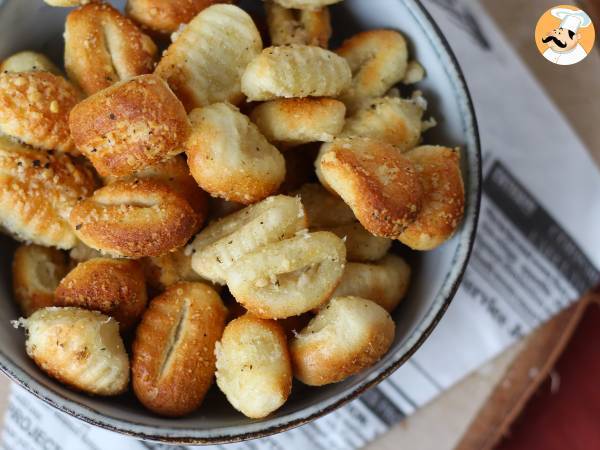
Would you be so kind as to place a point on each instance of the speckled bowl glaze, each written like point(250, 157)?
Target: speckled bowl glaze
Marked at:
point(29, 24)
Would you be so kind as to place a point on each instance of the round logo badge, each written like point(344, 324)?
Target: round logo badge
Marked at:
point(565, 35)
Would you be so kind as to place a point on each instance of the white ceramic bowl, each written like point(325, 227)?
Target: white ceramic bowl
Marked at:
point(29, 24)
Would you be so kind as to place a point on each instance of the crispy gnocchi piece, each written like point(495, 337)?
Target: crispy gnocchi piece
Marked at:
point(300, 120)
point(385, 282)
point(67, 3)
point(282, 72)
point(175, 173)
point(378, 60)
point(80, 348)
point(289, 277)
point(438, 169)
point(329, 213)
point(360, 244)
point(36, 273)
point(103, 47)
point(346, 336)
point(393, 120)
point(230, 158)
point(165, 16)
point(114, 287)
point(323, 209)
point(28, 61)
point(205, 63)
point(134, 219)
point(292, 26)
point(306, 4)
point(38, 189)
point(253, 366)
point(375, 180)
point(129, 126)
point(225, 241)
point(170, 268)
point(35, 107)
point(173, 360)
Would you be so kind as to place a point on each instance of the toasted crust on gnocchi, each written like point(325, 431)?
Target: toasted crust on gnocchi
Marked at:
point(134, 219)
point(80, 348)
point(385, 282)
point(230, 158)
point(205, 63)
point(290, 26)
point(35, 107)
point(173, 360)
point(323, 209)
point(438, 169)
point(28, 61)
point(289, 277)
point(37, 193)
point(378, 60)
point(130, 125)
point(253, 366)
point(36, 272)
point(300, 120)
point(360, 244)
point(389, 119)
point(165, 16)
point(225, 241)
point(281, 72)
point(376, 181)
point(175, 173)
point(67, 3)
point(170, 268)
point(113, 287)
point(306, 4)
point(103, 47)
point(346, 336)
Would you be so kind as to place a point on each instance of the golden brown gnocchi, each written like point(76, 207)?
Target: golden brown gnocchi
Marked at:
point(292, 26)
point(114, 287)
point(300, 120)
point(388, 119)
point(80, 348)
point(205, 63)
point(306, 4)
point(225, 241)
point(173, 361)
point(170, 268)
point(134, 219)
point(385, 282)
point(36, 273)
point(346, 336)
point(360, 244)
point(281, 72)
point(103, 47)
point(378, 60)
point(129, 126)
point(35, 107)
point(289, 277)
point(438, 169)
point(28, 61)
point(375, 180)
point(253, 366)
point(230, 158)
point(166, 16)
point(38, 190)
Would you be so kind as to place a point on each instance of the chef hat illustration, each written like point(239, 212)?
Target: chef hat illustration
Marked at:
point(571, 19)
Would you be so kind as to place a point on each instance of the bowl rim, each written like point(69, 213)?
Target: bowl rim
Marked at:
point(431, 318)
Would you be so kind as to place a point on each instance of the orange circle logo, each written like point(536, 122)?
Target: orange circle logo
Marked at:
point(565, 35)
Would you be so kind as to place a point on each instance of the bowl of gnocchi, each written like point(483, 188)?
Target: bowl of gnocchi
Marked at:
point(221, 220)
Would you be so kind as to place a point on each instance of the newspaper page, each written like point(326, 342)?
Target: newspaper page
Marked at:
point(537, 250)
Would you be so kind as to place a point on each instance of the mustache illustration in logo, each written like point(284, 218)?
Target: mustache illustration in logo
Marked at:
point(555, 40)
